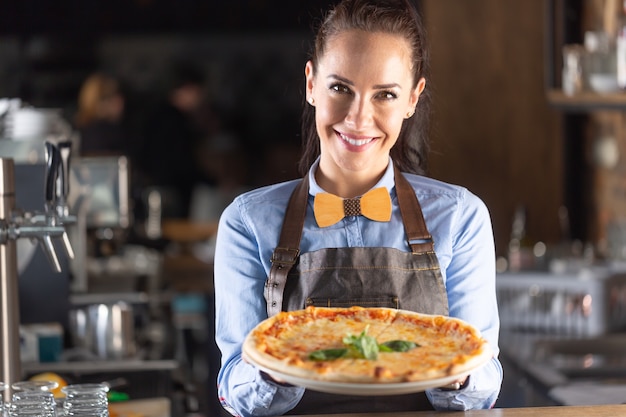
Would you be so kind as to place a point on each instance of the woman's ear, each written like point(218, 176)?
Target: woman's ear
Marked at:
point(310, 80)
point(417, 91)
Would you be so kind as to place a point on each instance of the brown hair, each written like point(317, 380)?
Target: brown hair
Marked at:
point(398, 17)
point(96, 89)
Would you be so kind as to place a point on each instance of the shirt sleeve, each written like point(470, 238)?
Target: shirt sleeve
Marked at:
point(470, 284)
point(239, 279)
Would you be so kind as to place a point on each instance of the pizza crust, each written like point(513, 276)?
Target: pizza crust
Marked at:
point(447, 346)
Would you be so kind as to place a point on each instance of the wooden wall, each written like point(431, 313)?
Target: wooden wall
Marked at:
point(493, 129)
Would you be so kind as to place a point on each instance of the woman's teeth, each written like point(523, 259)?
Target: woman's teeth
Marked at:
point(356, 142)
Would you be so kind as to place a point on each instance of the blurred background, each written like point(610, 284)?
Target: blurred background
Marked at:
point(494, 131)
point(172, 108)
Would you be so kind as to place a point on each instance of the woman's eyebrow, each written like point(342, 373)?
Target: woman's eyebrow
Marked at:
point(386, 86)
point(375, 87)
point(339, 78)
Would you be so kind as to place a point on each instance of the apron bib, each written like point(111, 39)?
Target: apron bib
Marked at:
point(366, 277)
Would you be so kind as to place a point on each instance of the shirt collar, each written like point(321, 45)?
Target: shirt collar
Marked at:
point(387, 180)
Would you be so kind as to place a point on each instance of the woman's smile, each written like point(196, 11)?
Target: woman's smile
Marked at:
point(357, 143)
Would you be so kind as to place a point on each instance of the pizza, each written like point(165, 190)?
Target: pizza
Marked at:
point(365, 345)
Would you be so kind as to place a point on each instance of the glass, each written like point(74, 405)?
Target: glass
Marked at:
point(40, 386)
point(2, 388)
point(601, 64)
point(33, 399)
point(86, 400)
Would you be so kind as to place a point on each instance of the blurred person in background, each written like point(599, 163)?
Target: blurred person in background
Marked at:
point(169, 158)
point(100, 116)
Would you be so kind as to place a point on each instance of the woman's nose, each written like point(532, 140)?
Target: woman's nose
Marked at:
point(359, 113)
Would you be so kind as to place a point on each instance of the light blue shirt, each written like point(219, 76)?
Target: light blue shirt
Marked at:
point(248, 232)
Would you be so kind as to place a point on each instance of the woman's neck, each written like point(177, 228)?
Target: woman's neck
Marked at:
point(346, 185)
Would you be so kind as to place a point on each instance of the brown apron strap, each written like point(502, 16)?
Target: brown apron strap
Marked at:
point(288, 249)
point(417, 234)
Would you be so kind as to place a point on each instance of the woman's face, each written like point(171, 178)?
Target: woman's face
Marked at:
point(362, 92)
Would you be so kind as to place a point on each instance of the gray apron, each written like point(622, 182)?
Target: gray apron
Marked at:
point(366, 277)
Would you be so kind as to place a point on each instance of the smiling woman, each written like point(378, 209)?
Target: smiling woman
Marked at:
point(429, 249)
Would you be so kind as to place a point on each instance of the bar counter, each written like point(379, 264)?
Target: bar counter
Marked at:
point(616, 410)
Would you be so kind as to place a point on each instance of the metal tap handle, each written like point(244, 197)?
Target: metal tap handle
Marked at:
point(67, 245)
point(48, 248)
point(65, 149)
point(63, 191)
point(53, 158)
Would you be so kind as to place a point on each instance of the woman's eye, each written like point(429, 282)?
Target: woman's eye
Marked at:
point(387, 95)
point(340, 88)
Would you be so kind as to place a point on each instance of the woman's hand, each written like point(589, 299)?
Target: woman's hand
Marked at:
point(456, 385)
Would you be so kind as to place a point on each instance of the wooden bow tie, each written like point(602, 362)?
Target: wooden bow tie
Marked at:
point(329, 209)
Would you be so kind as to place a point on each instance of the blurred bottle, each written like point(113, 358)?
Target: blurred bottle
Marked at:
point(523, 252)
point(621, 48)
point(573, 72)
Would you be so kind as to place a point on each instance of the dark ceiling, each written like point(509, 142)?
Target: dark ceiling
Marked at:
point(100, 17)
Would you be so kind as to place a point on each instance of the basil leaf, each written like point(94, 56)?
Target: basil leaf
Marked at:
point(327, 354)
point(384, 348)
point(365, 345)
point(399, 345)
point(368, 347)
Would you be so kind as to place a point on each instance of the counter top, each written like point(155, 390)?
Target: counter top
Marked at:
point(566, 411)
point(160, 407)
point(572, 372)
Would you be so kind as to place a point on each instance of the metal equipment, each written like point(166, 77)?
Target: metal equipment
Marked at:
point(43, 226)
